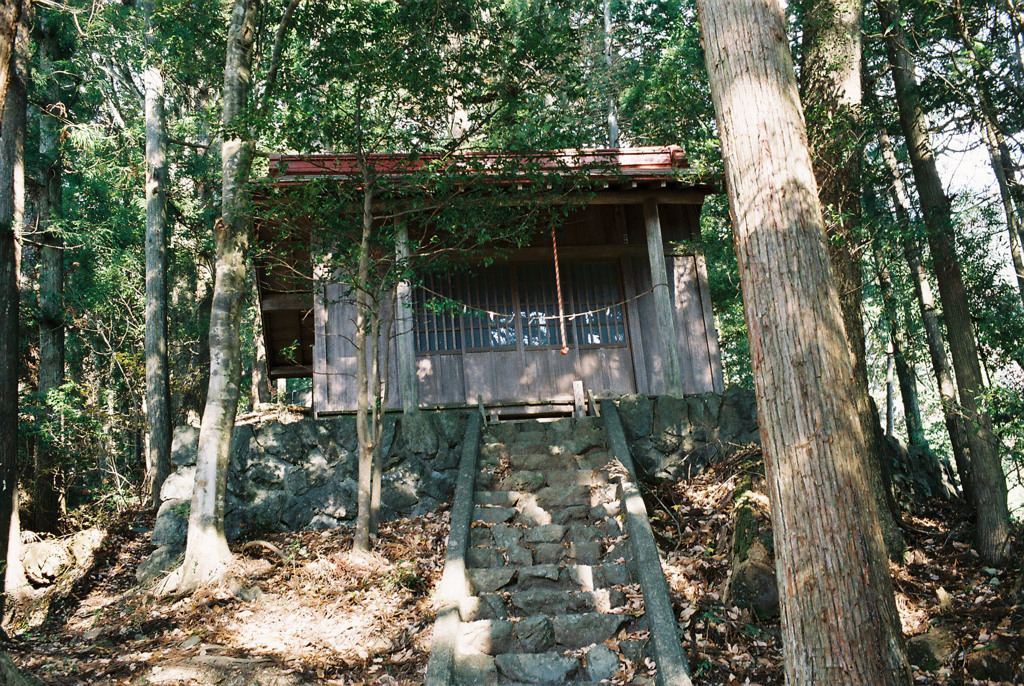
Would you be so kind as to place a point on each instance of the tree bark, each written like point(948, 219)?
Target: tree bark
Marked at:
point(10, 15)
point(831, 93)
point(364, 427)
point(206, 551)
point(905, 373)
point(158, 395)
point(12, 121)
point(987, 478)
point(929, 318)
point(839, 620)
point(260, 381)
point(46, 499)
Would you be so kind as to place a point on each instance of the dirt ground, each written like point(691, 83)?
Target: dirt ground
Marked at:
point(301, 609)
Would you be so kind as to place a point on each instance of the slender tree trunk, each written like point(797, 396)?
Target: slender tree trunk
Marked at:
point(1002, 168)
point(158, 395)
point(12, 123)
point(839, 620)
point(905, 373)
point(987, 478)
point(207, 550)
point(832, 104)
point(613, 116)
point(46, 499)
point(929, 318)
point(260, 379)
point(364, 428)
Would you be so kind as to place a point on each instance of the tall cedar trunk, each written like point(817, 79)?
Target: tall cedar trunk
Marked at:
point(987, 478)
point(929, 318)
point(905, 372)
point(10, 14)
point(12, 126)
point(364, 426)
point(51, 286)
point(831, 93)
point(839, 618)
point(207, 550)
point(158, 395)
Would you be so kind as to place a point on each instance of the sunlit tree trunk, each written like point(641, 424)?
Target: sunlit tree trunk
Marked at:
point(260, 380)
point(207, 550)
point(46, 499)
point(929, 317)
point(831, 94)
point(839, 620)
point(364, 425)
point(13, 75)
point(158, 395)
point(987, 478)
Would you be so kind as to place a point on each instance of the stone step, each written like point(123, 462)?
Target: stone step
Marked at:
point(538, 633)
point(509, 536)
point(532, 480)
point(549, 576)
point(535, 602)
point(575, 552)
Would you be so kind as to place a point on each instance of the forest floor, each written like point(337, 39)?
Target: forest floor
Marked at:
point(315, 613)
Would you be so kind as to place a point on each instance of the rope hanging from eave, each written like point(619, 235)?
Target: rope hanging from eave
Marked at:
point(558, 288)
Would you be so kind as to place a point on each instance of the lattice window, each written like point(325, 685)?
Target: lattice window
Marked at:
point(597, 290)
point(538, 306)
point(438, 327)
point(491, 320)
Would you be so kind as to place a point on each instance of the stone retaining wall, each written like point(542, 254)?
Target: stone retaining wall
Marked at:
point(296, 473)
point(677, 438)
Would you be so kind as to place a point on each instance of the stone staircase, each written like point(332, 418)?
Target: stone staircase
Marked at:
point(548, 563)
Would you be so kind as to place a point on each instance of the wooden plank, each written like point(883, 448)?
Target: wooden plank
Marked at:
point(634, 331)
point(662, 295)
point(651, 341)
point(578, 399)
point(689, 324)
point(275, 302)
point(711, 332)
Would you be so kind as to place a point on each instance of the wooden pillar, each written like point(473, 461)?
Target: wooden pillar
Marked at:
point(406, 340)
point(662, 301)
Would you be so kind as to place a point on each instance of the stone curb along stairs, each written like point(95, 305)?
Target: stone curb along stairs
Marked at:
point(550, 555)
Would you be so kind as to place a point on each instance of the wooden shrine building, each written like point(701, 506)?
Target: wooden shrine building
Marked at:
point(634, 288)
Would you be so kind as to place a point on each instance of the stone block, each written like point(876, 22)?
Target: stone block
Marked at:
point(536, 668)
point(178, 484)
point(600, 663)
point(637, 414)
point(534, 634)
point(171, 526)
point(184, 445)
point(581, 630)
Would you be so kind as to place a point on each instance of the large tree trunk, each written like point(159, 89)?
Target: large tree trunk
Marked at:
point(929, 317)
point(206, 552)
point(46, 499)
point(158, 395)
point(12, 149)
point(839, 616)
point(831, 93)
point(987, 478)
point(10, 14)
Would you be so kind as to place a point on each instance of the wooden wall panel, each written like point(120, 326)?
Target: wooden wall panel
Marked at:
point(441, 379)
point(320, 386)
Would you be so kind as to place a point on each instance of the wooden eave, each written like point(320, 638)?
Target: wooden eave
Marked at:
point(614, 177)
